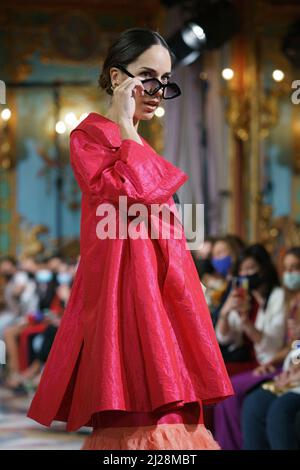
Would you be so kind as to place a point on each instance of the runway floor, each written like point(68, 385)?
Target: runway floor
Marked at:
point(17, 432)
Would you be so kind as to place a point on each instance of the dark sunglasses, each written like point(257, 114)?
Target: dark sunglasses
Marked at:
point(153, 85)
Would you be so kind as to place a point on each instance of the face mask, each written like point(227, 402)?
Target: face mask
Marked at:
point(64, 278)
point(254, 280)
point(43, 275)
point(222, 265)
point(291, 280)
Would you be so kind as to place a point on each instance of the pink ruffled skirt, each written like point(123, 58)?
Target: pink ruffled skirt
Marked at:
point(173, 427)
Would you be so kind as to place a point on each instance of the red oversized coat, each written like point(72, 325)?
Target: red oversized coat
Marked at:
point(136, 333)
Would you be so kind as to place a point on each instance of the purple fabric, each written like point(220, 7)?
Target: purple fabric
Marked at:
point(227, 421)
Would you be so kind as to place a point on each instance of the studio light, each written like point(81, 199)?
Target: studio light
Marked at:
point(227, 74)
point(291, 44)
point(6, 114)
point(278, 75)
point(188, 43)
point(208, 28)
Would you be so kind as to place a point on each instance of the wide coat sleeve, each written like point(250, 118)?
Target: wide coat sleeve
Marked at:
point(105, 172)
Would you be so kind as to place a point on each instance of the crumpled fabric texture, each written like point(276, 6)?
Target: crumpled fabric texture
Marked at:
point(136, 334)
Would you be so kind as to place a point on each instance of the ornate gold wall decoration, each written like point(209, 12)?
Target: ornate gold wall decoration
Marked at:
point(60, 32)
point(29, 243)
point(254, 103)
point(8, 215)
point(277, 232)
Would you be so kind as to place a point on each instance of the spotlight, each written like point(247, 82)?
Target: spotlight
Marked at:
point(70, 118)
point(227, 74)
point(291, 43)
point(206, 30)
point(60, 127)
point(188, 43)
point(159, 112)
point(278, 75)
point(6, 114)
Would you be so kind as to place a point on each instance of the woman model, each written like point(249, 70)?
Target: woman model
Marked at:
point(135, 357)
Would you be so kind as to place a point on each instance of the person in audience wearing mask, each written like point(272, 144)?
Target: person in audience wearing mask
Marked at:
point(253, 323)
point(214, 284)
point(29, 265)
point(269, 411)
point(20, 296)
point(46, 285)
point(10, 309)
point(38, 300)
point(224, 254)
point(291, 284)
point(251, 320)
point(42, 342)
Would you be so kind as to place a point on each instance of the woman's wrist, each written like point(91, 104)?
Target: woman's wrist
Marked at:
point(128, 131)
point(224, 314)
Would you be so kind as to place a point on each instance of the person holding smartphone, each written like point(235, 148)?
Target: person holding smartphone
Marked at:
point(252, 321)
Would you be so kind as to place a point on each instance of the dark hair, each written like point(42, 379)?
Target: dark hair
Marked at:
point(267, 268)
point(294, 250)
point(8, 258)
point(234, 242)
point(126, 49)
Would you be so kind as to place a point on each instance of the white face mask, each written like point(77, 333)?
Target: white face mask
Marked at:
point(43, 275)
point(64, 278)
point(291, 280)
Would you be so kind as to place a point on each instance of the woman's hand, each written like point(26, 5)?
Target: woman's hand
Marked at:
point(63, 292)
point(124, 99)
point(258, 297)
point(292, 375)
point(233, 302)
point(264, 369)
point(238, 302)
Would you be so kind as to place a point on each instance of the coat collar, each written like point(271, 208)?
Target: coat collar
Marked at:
point(111, 129)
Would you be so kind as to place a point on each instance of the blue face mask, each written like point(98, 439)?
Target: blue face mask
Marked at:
point(64, 278)
point(291, 280)
point(43, 275)
point(222, 265)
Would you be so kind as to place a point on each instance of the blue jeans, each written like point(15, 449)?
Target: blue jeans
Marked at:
point(270, 422)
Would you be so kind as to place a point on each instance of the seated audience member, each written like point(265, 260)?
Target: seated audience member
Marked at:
point(252, 320)
point(43, 291)
point(291, 284)
point(215, 284)
point(10, 308)
point(20, 296)
point(42, 342)
point(270, 412)
point(270, 417)
point(269, 353)
point(224, 255)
